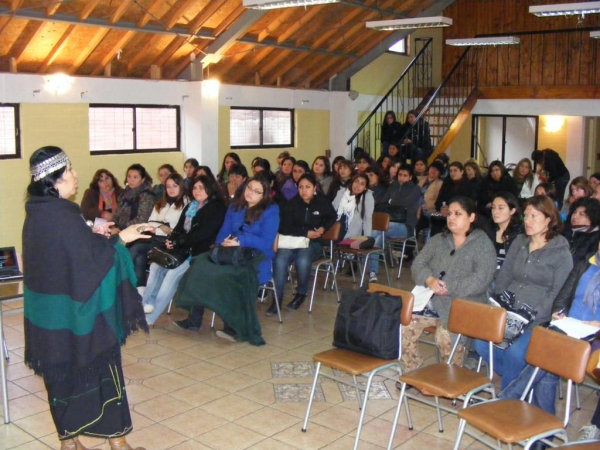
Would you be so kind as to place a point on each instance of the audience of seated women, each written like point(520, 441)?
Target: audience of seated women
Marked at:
point(135, 203)
point(496, 180)
point(377, 185)
point(321, 169)
point(163, 172)
point(287, 164)
point(383, 163)
point(473, 173)
point(189, 169)
point(430, 189)
point(236, 179)
point(309, 214)
point(536, 266)
point(582, 228)
point(229, 161)
point(100, 200)
point(341, 179)
point(354, 206)
point(525, 178)
point(505, 224)
point(392, 170)
point(290, 187)
point(579, 188)
point(280, 158)
point(594, 180)
point(394, 151)
point(260, 165)
point(417, 138)
point(457, 263)
point(554, 168)
point(456, 184)
point(196, 230)
point(391, 131)
point(420, 169)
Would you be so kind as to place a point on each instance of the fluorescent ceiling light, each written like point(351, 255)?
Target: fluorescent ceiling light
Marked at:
point(595, 34)
point(499, 40)
point(414, 22)
point(273, 4)
point(565, 9)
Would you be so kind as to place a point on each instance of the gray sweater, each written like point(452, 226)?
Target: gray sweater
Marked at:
point(469, 269)
point(535, 278)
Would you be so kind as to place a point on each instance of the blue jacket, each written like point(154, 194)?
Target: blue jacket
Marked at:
point(260, 235)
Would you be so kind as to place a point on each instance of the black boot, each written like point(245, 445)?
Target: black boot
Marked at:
point(272, 311)
point(296, 302)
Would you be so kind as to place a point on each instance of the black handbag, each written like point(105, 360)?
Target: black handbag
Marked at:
point(168, 258)
point(234, 256)
point(368, 323)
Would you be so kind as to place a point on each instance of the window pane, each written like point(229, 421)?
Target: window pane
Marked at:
point(399, 47)
point(111, 129)
point(277, 127)
point(8, 142)
point(156, 128)
point(244, 127)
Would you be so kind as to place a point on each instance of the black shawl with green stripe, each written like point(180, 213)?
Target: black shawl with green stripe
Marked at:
point(80, 297)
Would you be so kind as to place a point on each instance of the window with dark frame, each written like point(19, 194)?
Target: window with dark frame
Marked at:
point(261, 128)
point(400, 47)
point(133, 129)
point(10, 142)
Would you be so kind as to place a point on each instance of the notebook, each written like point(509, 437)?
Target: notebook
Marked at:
point(9, 264)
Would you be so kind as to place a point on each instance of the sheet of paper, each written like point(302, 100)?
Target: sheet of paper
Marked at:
point(574, 327)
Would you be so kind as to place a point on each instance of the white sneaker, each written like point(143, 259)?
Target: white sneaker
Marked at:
point(589, 432)
point(148, 309)
point(372, 277)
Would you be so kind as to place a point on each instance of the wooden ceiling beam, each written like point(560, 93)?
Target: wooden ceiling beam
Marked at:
point(25, 44)
point(229, 20)
point(272, 64)
point(56, 49)
point(281, 19)
point(16, 4)
point(52, 7)
point(177, 13)
point(314, 11)
point(87, 9)
point(151, 11)
point(324, 38)
point(89, 48)
point(119, 11)
point(230, 62)
point(380, 11)
point(322, 68)
point(141, 54)
point(212, 7)
point(169, 50)
point(108, 57)
point(249, 64)
point(282, 70)
point(180, 66)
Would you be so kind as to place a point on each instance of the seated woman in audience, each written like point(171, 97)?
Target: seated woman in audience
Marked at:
point(354, 206)
point(526, 179)
point(417, 138)
point(458, 263)
point(594, 180)
point(229, 161)
point(383, 163)
point(473, 173)
point(579, 188)
point(252, 220)
point(362, 163)
point(377, 184)
point(189, 169)
point(535, 269)
point(391, 131)
point(420, 167)
point(334, 164)
point(394, 151)
point(341, 180)
point(497, 180)
point(196, 230)
point(287, 164)
point(100, 200)
point(505, 225)
point(309, 214)
point(392, 170)
point(582, 228)
point(164, 217)
point(135, 203)
point(280, 159)
point(430, 189)
point(402, 203)
point(321, 169)
point(236, 179)
point(290, 188)
point(163, 172)
point(546, 189)
point(260, 164)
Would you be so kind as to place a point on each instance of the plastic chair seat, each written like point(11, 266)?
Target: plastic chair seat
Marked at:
point(350, 362)
point(457, 380)
point(510, 420)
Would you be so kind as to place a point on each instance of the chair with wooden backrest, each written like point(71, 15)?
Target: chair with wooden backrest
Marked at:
point(357, 364)
point(516, 421)
point(467, 318)
point(381, 222)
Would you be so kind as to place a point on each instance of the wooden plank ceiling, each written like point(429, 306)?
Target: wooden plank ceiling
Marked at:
point(296, 47)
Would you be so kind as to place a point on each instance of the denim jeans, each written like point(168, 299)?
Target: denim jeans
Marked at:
point(395, 230)
point(544, 388)
point(509, 362)
point(162, 285)
point(302, 258)
point(139, 255)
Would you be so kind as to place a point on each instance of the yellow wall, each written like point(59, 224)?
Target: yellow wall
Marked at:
point(556, 140)
point(66, 126)
point(311, 138)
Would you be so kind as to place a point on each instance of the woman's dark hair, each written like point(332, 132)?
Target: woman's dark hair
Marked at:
point(268, 175)
point(308, 177)
point(359, 152)
point(549, 188)
point(360, 198)
point(253, 213)
point(179, 200)
point(546, 206)
point(207, 171)
point(288, 158)
point(459, 166)
point(595, 175)
point(414, 113)
point(388, 113)
point(210, 186)
point(515, 220)
point(238, 169)
point(263, 163)
point(496, 164)
point(45, 186)
point(473, 165)
point(142, 171)
point(283, 154)
point(96, 179)
point(469, 206)
point(336, 160)
point(169, 167)
point(424, 161)
point(231, 155)
point(582, 183)
point(592, 210)
point(193, 161)
point(445, 159)
point(302, 164)
point(325, 160)
point(381, 179)
point(411, 171)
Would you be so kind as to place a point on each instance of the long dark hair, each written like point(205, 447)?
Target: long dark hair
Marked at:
point(514, 225)
point(231, 155)
point(470, 207)
point(96, 179)
point(254, 213)
point(325, 160)
point(45, 186)
point(179, 200)
point(142, 171)
point(360, 198)
point(546, 206)
point(210, 186)
point(499, 164)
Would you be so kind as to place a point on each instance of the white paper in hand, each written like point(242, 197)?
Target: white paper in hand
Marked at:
point(422, 296)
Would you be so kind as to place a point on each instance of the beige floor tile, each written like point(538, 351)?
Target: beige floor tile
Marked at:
point(194, 423)
point(17, 370)
point(11, 436)
point(271, 444)
point(289, 342)
point(15, 391)
point(190, 445)
point(201, 370)
point(232, 360)
point(207, 350)
point(138, 393)
point(315, 437)
point(339, 418)
point(314, 347)
point(162, 407)
point(377, 432)
point(231, 407)
point(35, 445)
point(168, 382)
point(142, 371)
point(262, 393)
point(232, 381)
point(261, 370)
point(347, 442)
point(26, 406)
point(427, 441)
point(268, 421)
point(37, 425)
point(155, 437)
point(298, 409)
point(230, 437)
point(199, 394)
point(174, 360)
point(262, 352)
point(31, 383)
point(177, 342)
point(147, 351)
point(127, 360)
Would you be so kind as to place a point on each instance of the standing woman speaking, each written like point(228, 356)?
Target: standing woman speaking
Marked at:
point(80, 305)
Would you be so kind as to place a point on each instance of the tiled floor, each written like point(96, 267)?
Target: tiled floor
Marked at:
point(196, 391)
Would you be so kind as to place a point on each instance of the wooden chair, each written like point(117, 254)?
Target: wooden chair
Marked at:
point(516, 421)
point(475, 320)
point(357, 364)
point(381, 222)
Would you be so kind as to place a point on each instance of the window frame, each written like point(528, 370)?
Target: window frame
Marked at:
point(261, 109)
point(134, 107)
point(406, 51)
point(17, 130)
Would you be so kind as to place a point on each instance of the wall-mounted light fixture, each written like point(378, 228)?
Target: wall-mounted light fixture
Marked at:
point(553, 123)
point(273, 4)
point(412, 23)
point(58, 83)
point(210, 88)
point(565, 9)
point(496, 40)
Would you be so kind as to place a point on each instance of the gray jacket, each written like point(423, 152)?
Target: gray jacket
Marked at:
point(468, 270)
point(535, 278)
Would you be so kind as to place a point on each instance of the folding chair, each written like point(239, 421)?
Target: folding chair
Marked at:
point(519, 422)
point(326, 263)
point(400, 243)
point(357, 364)
point(475, 320)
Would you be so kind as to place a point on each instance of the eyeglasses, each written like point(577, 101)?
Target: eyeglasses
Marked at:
point(254, 191)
